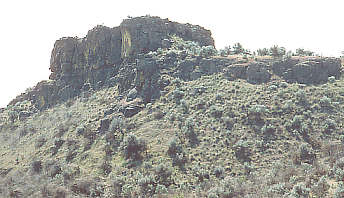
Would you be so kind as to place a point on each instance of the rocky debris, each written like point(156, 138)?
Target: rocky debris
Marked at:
point(131, 108)
point(131, 95)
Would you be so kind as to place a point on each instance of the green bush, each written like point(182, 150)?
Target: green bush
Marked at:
point(163, 174)
point(339, 193)
point(207, 51)
point(219, 171)
point(41, 140)
point(300, 190)
point(147, 184)
point(329, 126)
point(242, 150)
point(132, 147)
point(216, 111)
point(174, 148)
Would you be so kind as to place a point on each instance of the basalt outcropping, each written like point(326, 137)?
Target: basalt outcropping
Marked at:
point(78, 64)
point(140, 56)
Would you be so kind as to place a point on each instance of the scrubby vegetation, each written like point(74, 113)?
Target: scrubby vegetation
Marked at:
point(210, 136)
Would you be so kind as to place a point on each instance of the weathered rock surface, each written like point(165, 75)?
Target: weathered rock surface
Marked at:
point(119, 56)
point(97, 60)
point(254, 72)
point(307, 71)
point(258, 72)
point(144, 34)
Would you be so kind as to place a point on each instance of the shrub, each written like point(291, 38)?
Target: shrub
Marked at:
point(117, 124)
point(147, 184)
point(178, 95)
point(219, 171)
point(87, 187)
point(52, 168)
point(276, 51)
point(106, 167)
point(216, 111)
point(132, 147)
point(163, 174)
point(189, 131)
point(238, 48)
point(229, 122)
point(207, 51)
point(329, 126)
point(263, 52)
point(301, 96)
point(300, 190)
point(242, 150)
point(339, 193)
point(201, 173)
point(268, 130)
point(58, 143)
point(161, 189)
point(225, 51)
point(80, 130)
point(279, 189)
point(304, 154)
point(303, 52)
point(61, 129)
point(117, 182)
point(174, 148)
point(36, 166)
point(26, 129)
point(325, 102)
point(179, 160)
point(297, 124)
point(320, 189)
point(184, 106)
point(256, 112)
point(41, 140)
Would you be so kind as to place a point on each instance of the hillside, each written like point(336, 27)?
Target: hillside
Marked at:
point(149, 109)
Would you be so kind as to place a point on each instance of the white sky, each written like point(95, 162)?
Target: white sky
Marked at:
point(29, 28)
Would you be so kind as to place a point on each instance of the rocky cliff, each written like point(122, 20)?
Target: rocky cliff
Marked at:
point(144, 53)
point(78, 64)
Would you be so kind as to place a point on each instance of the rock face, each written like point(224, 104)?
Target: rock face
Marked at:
point(254, 72)
point(103, 48)
point(100, 49)
point(257, 72)
point(144, 34)
point(106, 56)
point(128, 57)
point(311, 71)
